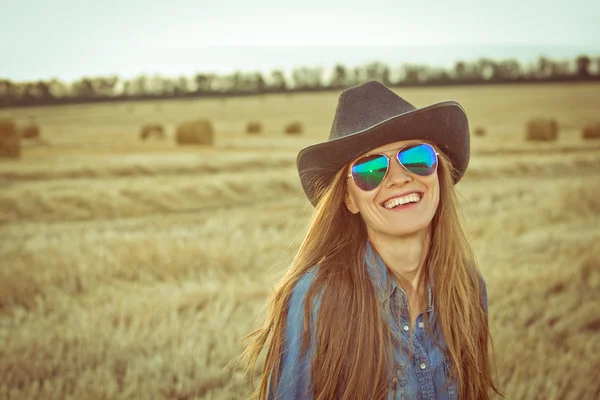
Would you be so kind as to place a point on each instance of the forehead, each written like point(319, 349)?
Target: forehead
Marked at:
point(394, 146)
point(390, 146)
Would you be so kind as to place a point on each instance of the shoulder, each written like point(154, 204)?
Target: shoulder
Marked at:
point(301, 289)
point(306, 279)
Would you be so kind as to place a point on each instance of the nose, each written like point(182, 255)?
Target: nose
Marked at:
point(397, 175)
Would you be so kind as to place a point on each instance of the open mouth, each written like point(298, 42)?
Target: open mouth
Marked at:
point(402, 201)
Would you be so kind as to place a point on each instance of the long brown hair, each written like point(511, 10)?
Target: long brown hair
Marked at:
point(357, 365)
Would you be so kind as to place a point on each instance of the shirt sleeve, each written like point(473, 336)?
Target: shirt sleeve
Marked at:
point(294, 368)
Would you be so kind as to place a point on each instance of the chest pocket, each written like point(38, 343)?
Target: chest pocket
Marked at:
point(451, 389)
point(398, 386)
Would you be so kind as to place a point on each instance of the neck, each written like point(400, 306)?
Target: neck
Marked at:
point(404, 256)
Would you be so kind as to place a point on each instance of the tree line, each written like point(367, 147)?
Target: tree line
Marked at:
point(302, 79)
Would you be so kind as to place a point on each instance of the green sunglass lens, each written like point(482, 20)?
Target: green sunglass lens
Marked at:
point(368, 172)
point(420, 159)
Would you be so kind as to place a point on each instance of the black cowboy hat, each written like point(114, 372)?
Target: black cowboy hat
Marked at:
point(371, 115)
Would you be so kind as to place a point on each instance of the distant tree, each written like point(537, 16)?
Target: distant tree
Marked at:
point(299, 77)
point(278, 81)
point(315, 77)
point(559, 69)
point(377, 71)
point(307, 78)
point(204, 83)
point(544, 67)
point(155, 85)
point(181, 86)
point(505, 70)
point(583, 66)
point(385, 75)
point(372, 71)
point(261, 85)
point(43, 91)
point(235, 83)
point(127, 91)
point(340, 77)
point(511, 69)
point(460, 71)
point(221, 83)
point(140, 85)
point(8, 93)
point(104, 86)
point(484, 69)
point(359, 76)
point(83, 89)
point(438, 76)
point(166, 86)
point(414, 74)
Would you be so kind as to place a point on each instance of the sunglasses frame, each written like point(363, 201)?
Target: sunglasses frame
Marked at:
point(390, 161)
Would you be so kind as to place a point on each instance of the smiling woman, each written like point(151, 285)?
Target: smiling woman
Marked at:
point(376, 301)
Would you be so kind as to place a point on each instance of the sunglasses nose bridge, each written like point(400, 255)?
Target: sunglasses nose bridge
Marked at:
point(396, 170)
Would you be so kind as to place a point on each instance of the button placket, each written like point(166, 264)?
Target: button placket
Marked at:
point(399, 381)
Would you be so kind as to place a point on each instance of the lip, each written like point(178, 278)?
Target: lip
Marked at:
point(400, 195)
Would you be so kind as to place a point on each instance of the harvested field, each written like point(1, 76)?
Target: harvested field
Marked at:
point(132, 269)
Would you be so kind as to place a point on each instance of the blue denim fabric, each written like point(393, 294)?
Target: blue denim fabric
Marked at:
point(425, 374)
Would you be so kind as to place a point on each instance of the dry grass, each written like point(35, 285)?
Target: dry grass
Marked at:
point(133, 269)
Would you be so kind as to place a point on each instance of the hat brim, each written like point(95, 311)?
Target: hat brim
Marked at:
point(444, 123)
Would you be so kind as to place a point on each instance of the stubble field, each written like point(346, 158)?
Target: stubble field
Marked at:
point(131, 270)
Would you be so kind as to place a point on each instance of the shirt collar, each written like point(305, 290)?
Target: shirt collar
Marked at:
point(384, 281)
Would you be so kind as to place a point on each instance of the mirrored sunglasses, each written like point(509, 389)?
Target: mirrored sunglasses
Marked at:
point(369, 171)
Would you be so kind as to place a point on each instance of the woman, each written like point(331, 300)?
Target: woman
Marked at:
point(383, 299)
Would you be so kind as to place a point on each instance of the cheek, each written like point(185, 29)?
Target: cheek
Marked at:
point(435, 192)
point(363, 199)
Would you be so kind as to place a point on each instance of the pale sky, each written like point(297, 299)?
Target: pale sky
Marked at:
point(68, 39)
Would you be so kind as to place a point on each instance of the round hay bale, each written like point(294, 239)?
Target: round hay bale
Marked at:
point(29, 131)
point(198, 132)
point(152, 130)
point(10, 140)
point(591, 131)
point(7, 127)
point(541, 129)
point(254, 127)
point(294, 128)
point(480, 131)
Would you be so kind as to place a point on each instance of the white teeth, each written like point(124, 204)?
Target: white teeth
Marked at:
point(409, 198)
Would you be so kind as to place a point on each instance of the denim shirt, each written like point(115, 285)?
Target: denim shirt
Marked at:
point(425, 375)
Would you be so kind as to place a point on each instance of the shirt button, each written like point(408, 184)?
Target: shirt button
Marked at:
point(395, 380)
point(423, 366)
point(405, 327)
point(421, 324)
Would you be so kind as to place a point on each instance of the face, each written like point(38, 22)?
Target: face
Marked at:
point(404, 220)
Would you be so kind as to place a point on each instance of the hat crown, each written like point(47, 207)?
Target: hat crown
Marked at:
point(363, 106)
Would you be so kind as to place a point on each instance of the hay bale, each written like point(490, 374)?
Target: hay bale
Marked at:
point(591, 131)
point(10, 140)
point(29, 131)
point(7, 128)
point(480, 131)
point(541, 129)
point(152, 130)
point(294, 128)
point(254, 127)
point(195, 132)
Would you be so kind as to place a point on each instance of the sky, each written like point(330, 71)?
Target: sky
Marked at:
point(69, 39)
